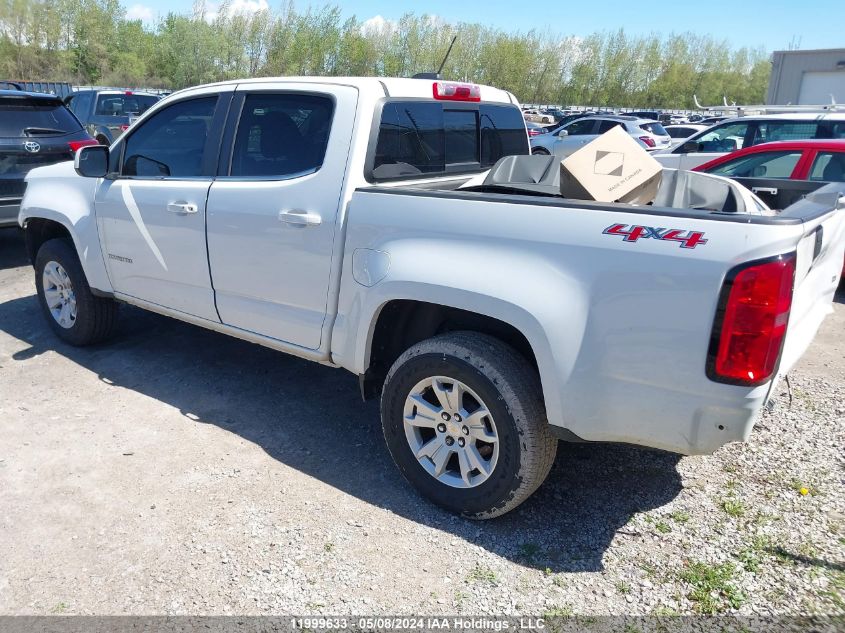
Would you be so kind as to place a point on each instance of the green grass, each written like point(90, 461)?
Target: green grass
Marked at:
point(482, 574)
point(328, 547)
point(712, 589)
point(623, 587)
point(680, 516)
point(559, 580)
point(835, 592)
point(564, 611)
point(733, 507)
point(753, 554)
point(662, 527)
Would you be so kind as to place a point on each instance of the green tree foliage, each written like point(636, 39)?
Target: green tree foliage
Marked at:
point(93, 42)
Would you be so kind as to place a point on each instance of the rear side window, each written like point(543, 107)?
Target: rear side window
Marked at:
point(422, 138)
point(829, 166)
point(281, 135)
point(785, 131)
point(604, 126)
point(35, 117)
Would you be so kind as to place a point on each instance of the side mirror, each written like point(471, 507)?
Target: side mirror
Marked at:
point(563, 133)
point(92, 161)
point(690, 147)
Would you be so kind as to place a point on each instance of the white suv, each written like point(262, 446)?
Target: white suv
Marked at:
point(736, 133)
point(570, 137)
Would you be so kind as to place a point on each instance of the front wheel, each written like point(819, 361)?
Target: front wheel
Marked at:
point(463, 418)
point(74, 313)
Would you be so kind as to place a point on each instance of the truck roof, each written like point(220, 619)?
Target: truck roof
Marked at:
point(389, 86)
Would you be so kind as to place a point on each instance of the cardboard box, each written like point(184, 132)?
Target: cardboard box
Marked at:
point(612, 168)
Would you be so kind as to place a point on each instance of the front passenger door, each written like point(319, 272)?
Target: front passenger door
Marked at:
point(152, 213)
point(578, 134)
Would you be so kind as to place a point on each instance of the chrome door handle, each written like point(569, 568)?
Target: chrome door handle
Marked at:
point(770, 190)
point(296, 217)
point(182, 208)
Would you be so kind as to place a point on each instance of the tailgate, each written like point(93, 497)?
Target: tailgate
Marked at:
point(818, 267)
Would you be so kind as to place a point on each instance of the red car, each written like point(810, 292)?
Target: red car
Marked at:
point(781, 172)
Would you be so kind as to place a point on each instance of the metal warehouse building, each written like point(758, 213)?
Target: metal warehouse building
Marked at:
point(807, 77)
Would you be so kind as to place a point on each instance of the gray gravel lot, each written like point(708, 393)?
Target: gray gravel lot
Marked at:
point(180, 471)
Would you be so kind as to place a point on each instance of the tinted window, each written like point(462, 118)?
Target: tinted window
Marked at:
point(171, 142)
point(785, 131)
point(35, 117)
point(123, 105)
point(461, 135)
point(604, 126)
point(838, 130)
point(726, 138)
point(680, 132)
point(655, 128)
point(584, 126)
point(281, 135)
point(829, 166)
point(417, 138)
point(763, 165)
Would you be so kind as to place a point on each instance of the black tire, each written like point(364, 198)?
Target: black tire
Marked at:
point(540, 151)
point(95, 316)
point(102, 140)
point(509, 387)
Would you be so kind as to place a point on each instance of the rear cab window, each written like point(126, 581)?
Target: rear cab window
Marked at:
point(417, 138)
point(33, 117)
point(654, 128)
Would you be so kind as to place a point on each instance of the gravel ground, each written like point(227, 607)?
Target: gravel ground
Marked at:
point(177, 471)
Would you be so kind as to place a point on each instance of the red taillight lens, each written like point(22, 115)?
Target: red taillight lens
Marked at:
point(751, 322)
point(453, 91)
point(648, 141)
point(124, 127)
point(533, 132)
point(75, 145)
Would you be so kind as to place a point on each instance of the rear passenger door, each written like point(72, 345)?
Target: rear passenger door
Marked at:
point(273, 208)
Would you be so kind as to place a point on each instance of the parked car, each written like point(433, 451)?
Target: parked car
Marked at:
point(739, 132)
point(683, 132)
point(713, 120)
point(651, 115)
point(35, 129)
point(535, 115)
point(557, 113)
point(106, 114)
point(535, 129)
point(783, 172)
point(568, 138)
point(489, 324)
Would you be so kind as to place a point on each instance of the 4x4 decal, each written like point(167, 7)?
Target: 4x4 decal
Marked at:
point(687, 239)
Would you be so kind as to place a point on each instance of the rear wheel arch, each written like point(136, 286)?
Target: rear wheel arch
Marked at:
point(402, 323)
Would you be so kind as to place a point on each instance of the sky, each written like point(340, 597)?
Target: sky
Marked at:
point(771, 24)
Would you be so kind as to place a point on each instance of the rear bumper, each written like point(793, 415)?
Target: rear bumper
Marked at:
point(9, 212)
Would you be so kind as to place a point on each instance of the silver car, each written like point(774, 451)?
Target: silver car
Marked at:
point(570, 137)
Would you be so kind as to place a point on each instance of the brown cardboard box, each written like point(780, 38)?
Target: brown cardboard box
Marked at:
point(614, 167)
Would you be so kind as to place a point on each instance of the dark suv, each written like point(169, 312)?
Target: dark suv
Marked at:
point(35, 130)
point(106, 114)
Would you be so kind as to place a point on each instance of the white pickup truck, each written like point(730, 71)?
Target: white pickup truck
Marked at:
point(323, 218)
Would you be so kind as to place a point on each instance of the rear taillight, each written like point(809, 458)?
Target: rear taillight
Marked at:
point(534, 132)
point(75, 145)
point(751, 321)
point(124, 127)
point(453, 91)
point(648, 141)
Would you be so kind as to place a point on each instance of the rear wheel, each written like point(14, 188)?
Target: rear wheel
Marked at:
point(540, 151)
point(72, 311)
point(463, 418)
